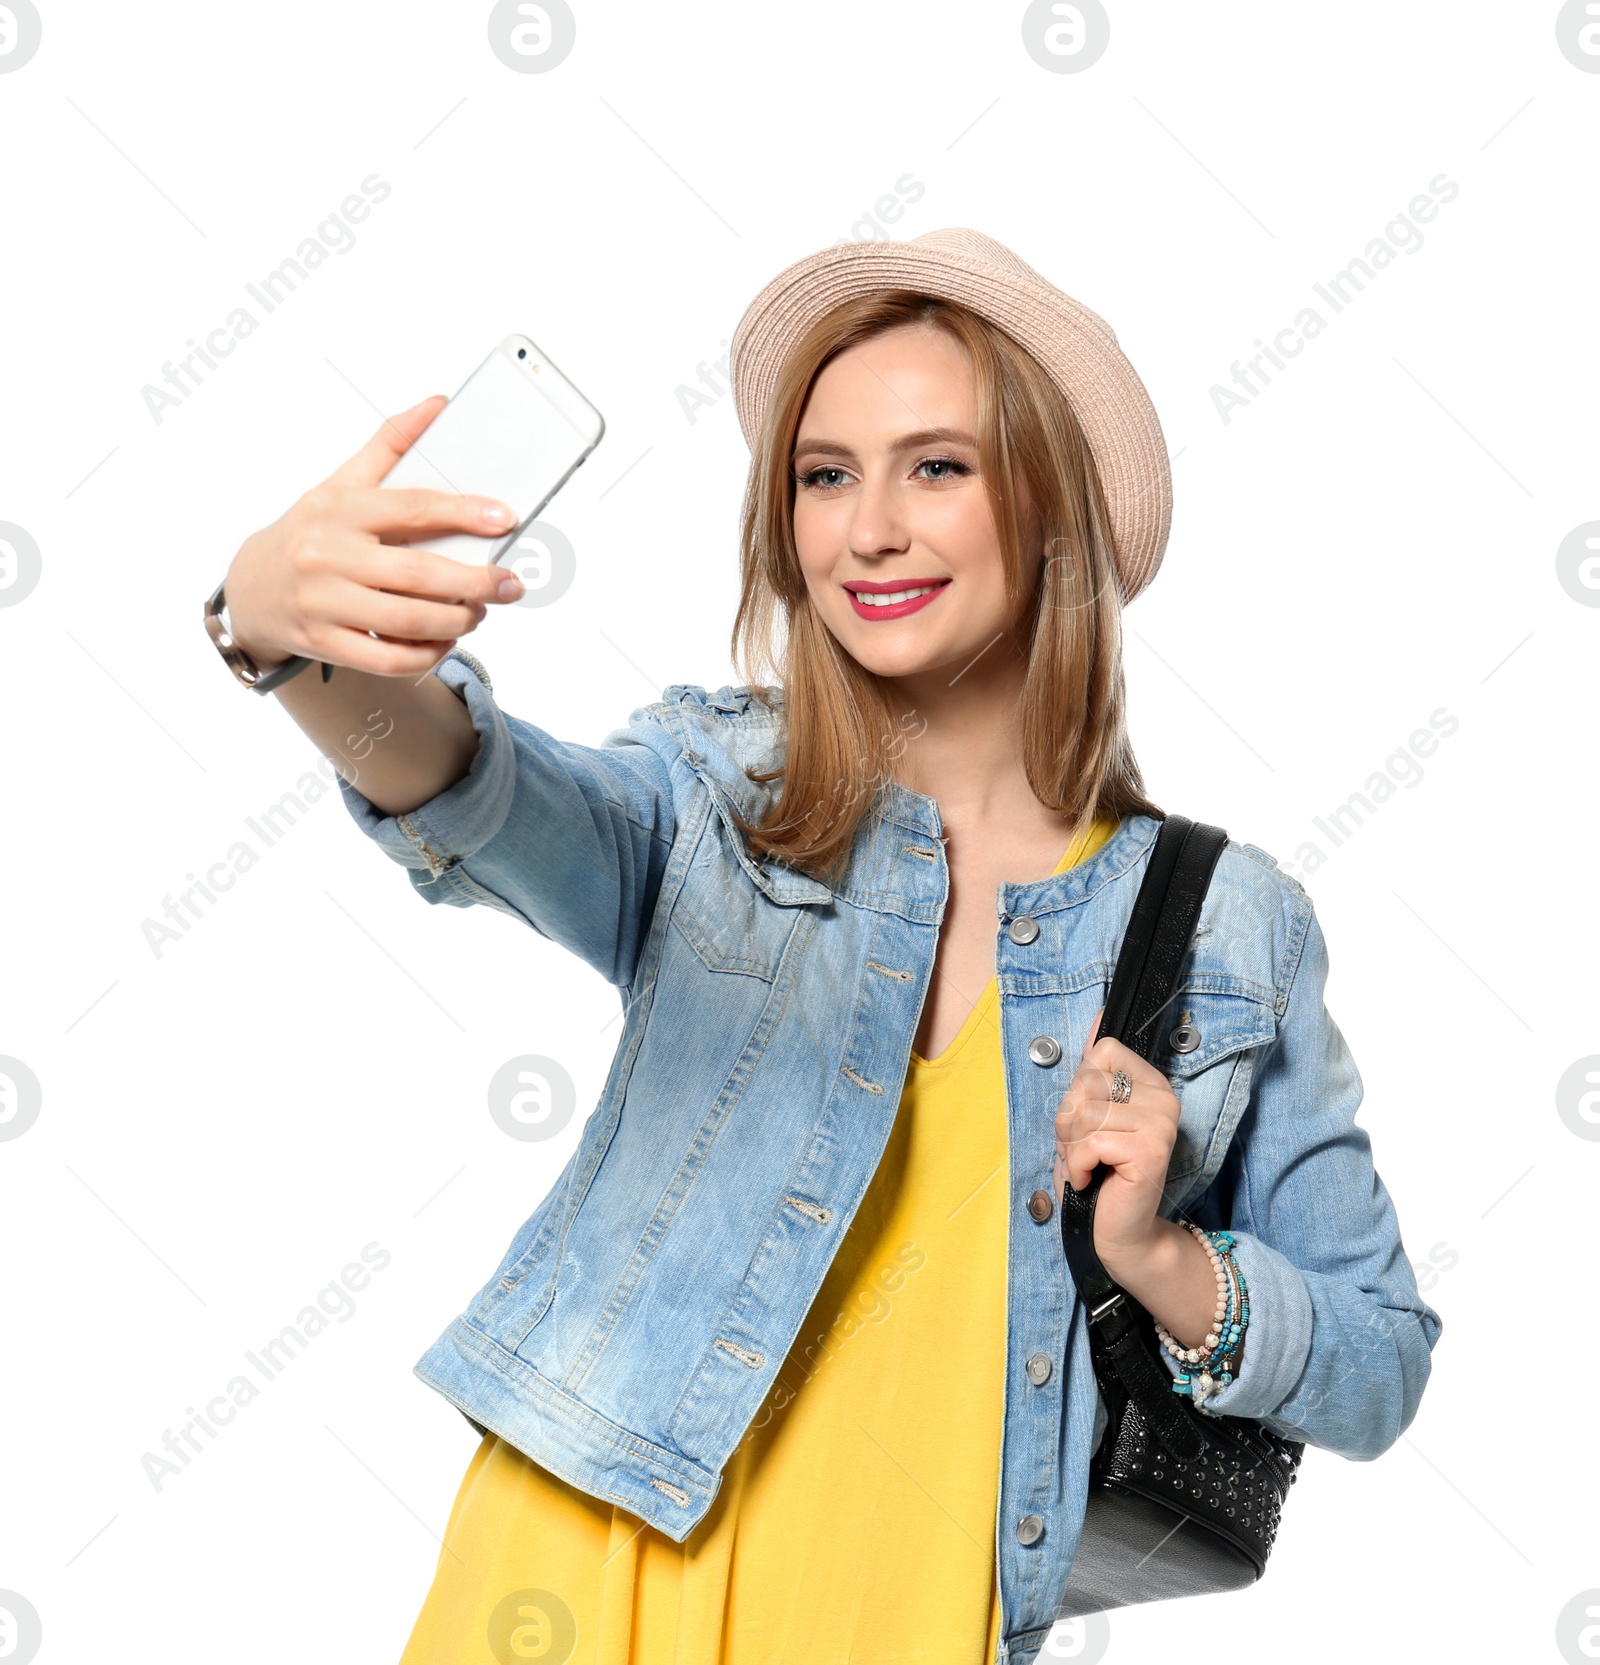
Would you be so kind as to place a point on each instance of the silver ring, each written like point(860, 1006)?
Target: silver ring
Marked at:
point(1121, 1087)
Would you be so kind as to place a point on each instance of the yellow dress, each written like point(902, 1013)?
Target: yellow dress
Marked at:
point(855, 1524)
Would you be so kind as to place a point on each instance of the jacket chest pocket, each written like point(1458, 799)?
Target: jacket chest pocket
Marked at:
point(729, 921)
point(1207, 1049)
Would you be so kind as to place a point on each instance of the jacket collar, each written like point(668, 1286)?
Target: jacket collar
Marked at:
point(1124, 849)
point(726, 733)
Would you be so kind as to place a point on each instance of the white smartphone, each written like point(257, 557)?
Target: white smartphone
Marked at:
point(516, 429)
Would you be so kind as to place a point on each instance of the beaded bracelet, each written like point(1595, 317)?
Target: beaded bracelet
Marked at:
point(1218, 1353)
point(1218, 1358)
point(1215, 1353)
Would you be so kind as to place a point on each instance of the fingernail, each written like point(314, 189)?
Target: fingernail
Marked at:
point(495, 514)
point(510, 588)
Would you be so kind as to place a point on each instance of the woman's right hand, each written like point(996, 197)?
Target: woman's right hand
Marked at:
point(321, 576)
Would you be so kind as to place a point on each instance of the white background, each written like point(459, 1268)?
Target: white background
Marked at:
point(1369, 540)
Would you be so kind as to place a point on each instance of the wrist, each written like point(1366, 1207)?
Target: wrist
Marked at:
point(1172, 1279)
point(263, 655)
point(1151, 1263)
point(264, 659)
point(253, 663)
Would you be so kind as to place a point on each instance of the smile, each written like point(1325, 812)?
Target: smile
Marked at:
point(881, 602)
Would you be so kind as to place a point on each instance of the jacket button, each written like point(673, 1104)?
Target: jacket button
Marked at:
point(1040, 1205)
point(1023, 929)
point(1030, 1529)
point(1039, 1368)
point(1044, 1050)
point(1185, 1038)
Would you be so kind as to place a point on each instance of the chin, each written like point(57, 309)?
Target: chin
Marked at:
point(897, 659)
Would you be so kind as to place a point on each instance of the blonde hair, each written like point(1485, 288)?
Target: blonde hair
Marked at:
point(842, 732)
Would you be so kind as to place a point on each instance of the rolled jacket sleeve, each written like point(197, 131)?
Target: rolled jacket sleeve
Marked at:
point(572, 840)
point(462, 819)
point(1339, 1343)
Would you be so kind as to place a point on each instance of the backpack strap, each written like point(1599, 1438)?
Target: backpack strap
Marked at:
point(1149, 965)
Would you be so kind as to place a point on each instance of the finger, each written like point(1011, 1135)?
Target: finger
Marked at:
point(339, 645)
point(416, 511)
point(388, 445)
point(1107, 1055)
point(1093, 1080)
point(1124, 1152)
point(400, 617)
point(1149, 1110)
point(1077, 1120)
point(1156, 1135)
point(1156, 1112)
point(409, 569)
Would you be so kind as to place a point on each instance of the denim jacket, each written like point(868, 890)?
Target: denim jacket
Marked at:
point(636, 1323)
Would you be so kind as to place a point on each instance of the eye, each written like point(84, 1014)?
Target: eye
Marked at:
point(825, 478)
point(950, 468)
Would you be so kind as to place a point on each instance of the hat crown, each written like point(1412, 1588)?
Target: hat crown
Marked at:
point(966, 244)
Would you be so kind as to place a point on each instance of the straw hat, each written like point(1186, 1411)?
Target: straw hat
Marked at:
point(1074, 345)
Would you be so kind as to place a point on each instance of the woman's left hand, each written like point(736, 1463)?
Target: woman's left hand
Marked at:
point(1135, 1138)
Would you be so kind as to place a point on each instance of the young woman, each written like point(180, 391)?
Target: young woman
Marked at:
point(788, 1363)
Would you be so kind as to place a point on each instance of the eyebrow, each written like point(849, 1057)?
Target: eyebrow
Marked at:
point(906, 442)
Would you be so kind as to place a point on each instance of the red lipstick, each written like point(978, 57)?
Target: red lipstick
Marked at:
point(922, 591)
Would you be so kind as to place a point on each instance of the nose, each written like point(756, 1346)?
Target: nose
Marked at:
point(877, 526)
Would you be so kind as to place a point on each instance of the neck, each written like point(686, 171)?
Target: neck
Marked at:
point(967, 750)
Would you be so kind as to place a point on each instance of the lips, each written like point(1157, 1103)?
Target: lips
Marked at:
point(881, 601)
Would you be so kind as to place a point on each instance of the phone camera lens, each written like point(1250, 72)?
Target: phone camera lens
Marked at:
point(522, 352)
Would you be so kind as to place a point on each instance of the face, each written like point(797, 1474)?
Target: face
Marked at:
point(892, 523)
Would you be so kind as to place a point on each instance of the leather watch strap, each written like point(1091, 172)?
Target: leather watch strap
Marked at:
point(219, 628)
point(279, 674)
